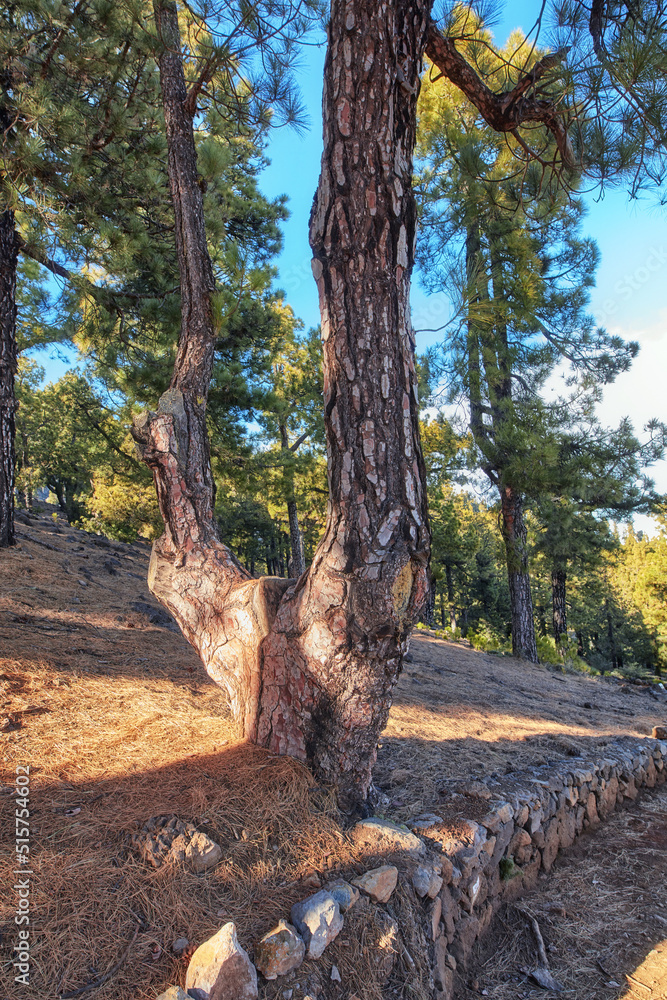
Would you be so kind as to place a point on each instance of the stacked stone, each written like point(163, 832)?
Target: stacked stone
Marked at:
point(529, 820)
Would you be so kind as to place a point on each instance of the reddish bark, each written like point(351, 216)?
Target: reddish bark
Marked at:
point(309, 667)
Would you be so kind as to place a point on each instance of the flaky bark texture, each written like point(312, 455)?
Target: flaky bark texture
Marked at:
point(8, 265)
point(558, 592)
point(515, 537)
point(309, 666)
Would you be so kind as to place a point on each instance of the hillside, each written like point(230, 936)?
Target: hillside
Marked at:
point(112, 711)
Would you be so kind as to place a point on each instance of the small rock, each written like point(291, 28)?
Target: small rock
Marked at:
point(473, 890)
point(202, 852)
point(421, 880)
point(660, 732)
point(435, 886)
point(335, 974)
point(380, 836)
point(174, 993)
point(287, 994)
point(318, 919)
point(473, 789)
point(311, 882)
point(346, 895)
point(426, 882)
point(221, 968)
point(180, 945)
point(447, 869)
point(280, 951)
point(379, 883)
point(420, 824)
point(434, 917)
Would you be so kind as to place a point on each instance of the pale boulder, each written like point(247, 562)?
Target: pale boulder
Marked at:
point(222, 969)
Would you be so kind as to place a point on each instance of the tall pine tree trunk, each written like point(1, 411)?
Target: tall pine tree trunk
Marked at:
point(558, 594)
point(8, 266)
point(515, 537)
point(309, 668)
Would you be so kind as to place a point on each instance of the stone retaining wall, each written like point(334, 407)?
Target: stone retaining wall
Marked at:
point(530, 818)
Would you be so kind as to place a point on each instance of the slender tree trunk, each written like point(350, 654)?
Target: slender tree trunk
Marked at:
point(298, 561)
point(8, 266)
point(616, 661)
point(428, 612)
point(515, 537)
point(558, 593)
point(450, 596)
point(309, 667)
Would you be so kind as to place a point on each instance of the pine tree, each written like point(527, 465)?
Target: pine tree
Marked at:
point(523, 273)
point(292, 417)
point(595, 473)
point(78, 121)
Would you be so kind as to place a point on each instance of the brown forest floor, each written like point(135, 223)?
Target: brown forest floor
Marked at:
point(118, 722)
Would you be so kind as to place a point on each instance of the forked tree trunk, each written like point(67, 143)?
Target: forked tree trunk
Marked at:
point(8, 266)
point(309, 668)
point(515, 537)
point(558, 594)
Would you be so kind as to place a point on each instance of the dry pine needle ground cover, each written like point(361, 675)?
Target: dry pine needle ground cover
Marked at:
point(115, 716)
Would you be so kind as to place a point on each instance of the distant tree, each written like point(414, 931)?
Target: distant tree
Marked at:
point(594, 473)
point(639, 579)
point(522, 271)
point(68, 438)
point(291, 416)
point(78, 121)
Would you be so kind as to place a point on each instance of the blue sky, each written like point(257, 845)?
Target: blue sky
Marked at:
point(629, 298)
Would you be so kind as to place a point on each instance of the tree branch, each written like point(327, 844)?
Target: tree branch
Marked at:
point(98, 292)
point(506, 111)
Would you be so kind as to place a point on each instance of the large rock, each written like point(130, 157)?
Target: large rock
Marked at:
point(221, 968)
point(280, 951)
point(380, 836)
point(379, 883)
point(318, 919)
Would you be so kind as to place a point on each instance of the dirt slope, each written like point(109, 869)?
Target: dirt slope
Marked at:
point(112, 711)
